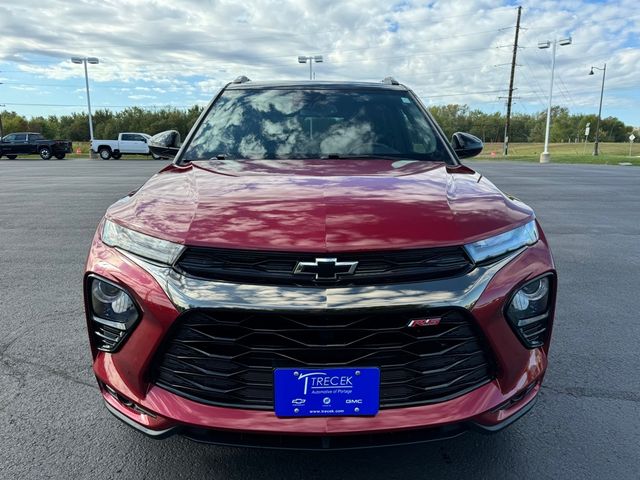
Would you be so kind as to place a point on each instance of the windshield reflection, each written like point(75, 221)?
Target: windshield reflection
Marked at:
point(298, 123)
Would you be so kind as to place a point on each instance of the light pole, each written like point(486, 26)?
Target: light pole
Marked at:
point(545, 156)
point(311, 59)
point(1, 128)
point(604, 72)
point(92, 61)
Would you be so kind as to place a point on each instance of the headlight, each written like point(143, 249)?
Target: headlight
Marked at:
point(140, 244)
point(529, 309)
point(113, 313)
point(505, 242)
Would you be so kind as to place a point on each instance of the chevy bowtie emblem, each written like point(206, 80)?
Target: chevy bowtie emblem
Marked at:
point(325, 268)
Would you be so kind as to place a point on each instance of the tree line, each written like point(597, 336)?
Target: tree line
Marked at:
point(565, 127)
point(107, 124)
point(489, 127)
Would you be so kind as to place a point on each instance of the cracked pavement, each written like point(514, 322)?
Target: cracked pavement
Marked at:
point(586, 423)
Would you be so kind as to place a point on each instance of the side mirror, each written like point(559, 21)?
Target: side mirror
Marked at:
point(466, 145)
point(165, 144)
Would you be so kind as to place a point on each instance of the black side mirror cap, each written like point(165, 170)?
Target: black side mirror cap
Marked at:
point(165, 144)
point(466, 145)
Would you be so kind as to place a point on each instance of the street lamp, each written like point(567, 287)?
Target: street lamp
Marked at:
point(1, 128)
point(545, 156)
point(311, 59)
point(92, 61)
point(604, 72)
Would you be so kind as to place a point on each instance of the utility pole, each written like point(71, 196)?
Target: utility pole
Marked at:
point(507, 125)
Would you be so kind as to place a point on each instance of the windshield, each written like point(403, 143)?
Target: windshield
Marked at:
point(298, 123)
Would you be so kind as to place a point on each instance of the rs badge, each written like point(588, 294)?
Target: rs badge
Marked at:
point(424, 322)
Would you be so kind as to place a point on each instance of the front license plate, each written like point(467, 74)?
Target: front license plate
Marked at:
point(326, 392)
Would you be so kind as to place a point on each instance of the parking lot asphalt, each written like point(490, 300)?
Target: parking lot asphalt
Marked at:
point(586, 423)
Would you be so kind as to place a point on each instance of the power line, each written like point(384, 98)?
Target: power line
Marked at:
point(598, 21)
point(563, 88)
point(187, 106)
point(540, 91)
point(153, 64)
point(97, 84)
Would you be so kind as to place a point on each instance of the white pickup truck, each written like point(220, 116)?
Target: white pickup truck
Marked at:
point(128, 143)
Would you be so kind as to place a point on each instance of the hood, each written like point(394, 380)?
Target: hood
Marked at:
point(319, 205)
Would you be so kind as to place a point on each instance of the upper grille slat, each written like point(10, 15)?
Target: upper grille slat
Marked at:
point(277, 268)
point(417, 365)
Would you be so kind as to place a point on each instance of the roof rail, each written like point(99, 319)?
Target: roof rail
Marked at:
point(241, 79)
point(390, 81)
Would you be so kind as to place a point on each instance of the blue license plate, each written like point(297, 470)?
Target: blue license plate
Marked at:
point(326, 392)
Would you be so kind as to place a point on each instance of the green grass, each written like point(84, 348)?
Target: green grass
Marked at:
point(609, 153)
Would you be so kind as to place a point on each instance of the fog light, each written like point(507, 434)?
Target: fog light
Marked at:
point(111, 302)
point(531, 300)
point(113, 314)
point(528, 311)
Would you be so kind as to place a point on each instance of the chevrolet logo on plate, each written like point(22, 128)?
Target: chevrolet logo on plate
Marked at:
point(325, 268)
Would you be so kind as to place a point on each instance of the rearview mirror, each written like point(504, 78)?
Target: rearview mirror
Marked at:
point(165, 144)
point(466, 145)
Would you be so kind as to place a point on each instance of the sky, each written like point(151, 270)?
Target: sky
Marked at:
point(181, 52)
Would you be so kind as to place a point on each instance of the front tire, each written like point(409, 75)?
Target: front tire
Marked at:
point(12, 157)
point(105, 153)
point(156, 157)
point(60, 156)
point(116, 155)
point(45, 153)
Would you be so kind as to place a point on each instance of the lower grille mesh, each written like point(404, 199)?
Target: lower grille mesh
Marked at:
point(106, 337)
point(227, 357)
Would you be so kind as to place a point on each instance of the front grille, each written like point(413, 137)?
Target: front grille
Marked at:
point(277, 268)
point(227, 357)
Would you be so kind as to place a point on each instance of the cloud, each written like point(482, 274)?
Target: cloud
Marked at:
point(141, 97)
point(447, 51)
point(23, 88)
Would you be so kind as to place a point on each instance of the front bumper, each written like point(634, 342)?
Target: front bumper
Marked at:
point(163, 295)
point(274, 440)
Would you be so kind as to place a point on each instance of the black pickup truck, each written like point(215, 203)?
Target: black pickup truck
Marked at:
point(26, 143)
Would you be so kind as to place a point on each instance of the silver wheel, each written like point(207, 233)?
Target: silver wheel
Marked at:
point(105, 153)
point(45, 153)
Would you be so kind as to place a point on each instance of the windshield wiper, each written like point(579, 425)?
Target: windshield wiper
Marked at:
point(367, 156)
point(219, 156)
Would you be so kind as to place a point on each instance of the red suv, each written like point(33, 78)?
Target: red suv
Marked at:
point(317, 269)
